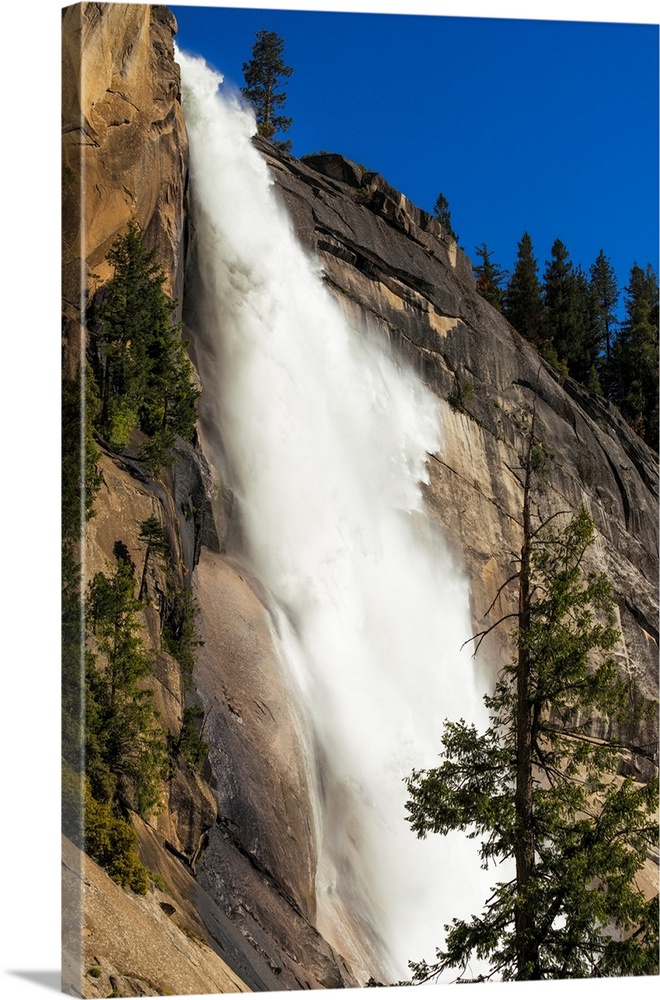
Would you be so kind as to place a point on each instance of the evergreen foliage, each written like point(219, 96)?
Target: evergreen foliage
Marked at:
point(490, 278)
point(606, 298)
point(522, 298)
point(107, 838)
point(125, 747)
point(443, 215)
point(559, 305)
point(462, 392)
point(570, 336)
point(634, 378)
point(80, 483)
point(571, 318)
point(112, 842)
point(180, 636)
point(584, 363)
point(264, 73)
point(81, 479)
point(74, 658)
point(138, 377)
point(190, 744)
point(536, 788)
point(143, 372)
point(154, 535)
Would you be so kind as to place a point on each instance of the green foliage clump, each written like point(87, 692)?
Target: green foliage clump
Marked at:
point(190, 744)
point(73, 798)
point(81, 479)
point(120, 755)
point(605, 298)
point(180, 636)
point(96, 828)
point(522, 298)
point(124, 741)
point(154, 535)
point(462, 393)
point(490, 277)
point(536, 788)
point(264, 73)
point(73, 659)
point(140, 363)
point(443, 215)
point(571, 318)
point(570, 326)
point(634, 374)
point(111, 842)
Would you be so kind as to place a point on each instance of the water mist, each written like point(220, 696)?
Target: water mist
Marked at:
point(325, 438)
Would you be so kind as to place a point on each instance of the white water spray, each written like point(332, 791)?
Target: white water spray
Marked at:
point(326, 438)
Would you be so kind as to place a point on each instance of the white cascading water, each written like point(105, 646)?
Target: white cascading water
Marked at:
point(325, 437)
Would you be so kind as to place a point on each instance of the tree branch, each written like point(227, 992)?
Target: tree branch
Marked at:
point(482, 635)
point(515, 576)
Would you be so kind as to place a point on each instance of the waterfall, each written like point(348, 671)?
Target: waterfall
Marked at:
point(325, 436)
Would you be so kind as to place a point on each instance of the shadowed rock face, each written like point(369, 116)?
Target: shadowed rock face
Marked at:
point(398, 275)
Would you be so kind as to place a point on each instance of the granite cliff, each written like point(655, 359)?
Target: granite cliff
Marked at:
point(235, 845)
point(124, 158)
point(392, 268)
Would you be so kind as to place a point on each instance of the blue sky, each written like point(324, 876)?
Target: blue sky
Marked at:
point(545, 126)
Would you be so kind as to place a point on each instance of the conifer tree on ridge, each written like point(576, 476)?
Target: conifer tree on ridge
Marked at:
point(263, 75)
point(489, 277)
point(522, 300)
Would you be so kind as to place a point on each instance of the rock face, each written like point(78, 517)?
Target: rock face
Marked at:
point(138, 946)
point(124, 146)
point(261, 857)
point(396, 273)
point(125, 158)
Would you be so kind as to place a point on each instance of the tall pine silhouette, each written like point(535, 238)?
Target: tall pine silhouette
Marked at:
point(264, 73)
point(635, 355)
point(522, 300)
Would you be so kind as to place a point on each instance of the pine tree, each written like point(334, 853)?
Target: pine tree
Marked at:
point(81, 479)
point(124, 741)
point(537, 789)
point(154, 535)
point(570, 336)
point(558, 306)
point(585, 353)
point(144, 375)
point(122, 318)
point(263, 74)
point(443, 215)
point(635, 355)
point(522, 299)
point(606, 295)
point(489, 277)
